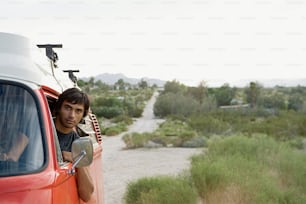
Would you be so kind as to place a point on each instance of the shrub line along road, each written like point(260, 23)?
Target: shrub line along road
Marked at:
point(122, 166)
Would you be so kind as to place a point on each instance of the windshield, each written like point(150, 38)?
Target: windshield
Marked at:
point(21, 144)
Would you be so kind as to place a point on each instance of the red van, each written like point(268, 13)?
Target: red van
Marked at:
point(30, 83)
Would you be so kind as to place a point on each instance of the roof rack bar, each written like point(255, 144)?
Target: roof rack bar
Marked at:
point(71, 75)
point(50, 52)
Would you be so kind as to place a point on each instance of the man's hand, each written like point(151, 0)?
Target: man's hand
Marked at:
point(67, 156)
point(3, 156)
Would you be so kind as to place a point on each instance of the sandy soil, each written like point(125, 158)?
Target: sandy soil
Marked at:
point(123, 166)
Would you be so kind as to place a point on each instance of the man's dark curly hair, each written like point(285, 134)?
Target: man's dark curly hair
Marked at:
point(74, 96)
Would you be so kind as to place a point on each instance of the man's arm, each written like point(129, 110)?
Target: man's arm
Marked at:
point(67, 156)
point(84, 180)
point(17, 150)
point(85, 183)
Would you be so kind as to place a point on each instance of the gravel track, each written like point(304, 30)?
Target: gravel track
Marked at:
point(122, 166)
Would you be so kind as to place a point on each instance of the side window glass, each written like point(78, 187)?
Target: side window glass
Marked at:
point(51, 103)
point(57, 146)
point(21, 141)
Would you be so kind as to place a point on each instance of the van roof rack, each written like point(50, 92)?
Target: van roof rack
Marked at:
point(70, 72)
point(50, 52)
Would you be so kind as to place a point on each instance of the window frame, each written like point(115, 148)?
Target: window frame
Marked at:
point(30, 89)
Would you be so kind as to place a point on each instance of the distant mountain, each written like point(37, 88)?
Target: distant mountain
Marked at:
point(111, 79)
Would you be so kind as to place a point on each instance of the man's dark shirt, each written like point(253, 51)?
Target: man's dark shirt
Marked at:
point(65, 140)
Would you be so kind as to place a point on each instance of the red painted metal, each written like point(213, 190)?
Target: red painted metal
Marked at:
point(52, 184)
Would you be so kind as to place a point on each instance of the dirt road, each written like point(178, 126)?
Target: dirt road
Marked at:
point(122, 166)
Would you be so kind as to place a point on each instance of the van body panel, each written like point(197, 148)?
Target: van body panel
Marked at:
point(98, 173)
point(25, 66)
point(27, 189)
point(64, 190)
point(45, 196)
point(97, 176)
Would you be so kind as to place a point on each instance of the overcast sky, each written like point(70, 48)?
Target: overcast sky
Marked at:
point(187, 40)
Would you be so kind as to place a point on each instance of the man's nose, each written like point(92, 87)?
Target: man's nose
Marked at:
point(72, 113)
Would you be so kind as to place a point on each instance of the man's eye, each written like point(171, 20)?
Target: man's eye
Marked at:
point(68, 108)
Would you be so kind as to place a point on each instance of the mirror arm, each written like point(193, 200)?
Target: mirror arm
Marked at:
point(79, 158)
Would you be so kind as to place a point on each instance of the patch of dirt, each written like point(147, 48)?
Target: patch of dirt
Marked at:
point(123, 166)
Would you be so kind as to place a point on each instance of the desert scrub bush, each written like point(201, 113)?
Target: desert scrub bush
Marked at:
point(195, 142)
point(133, 107)
point(116, 103)
point(239, 169)
point(175, 132)
point(108, 112)
point(176, 128)
point(175, 104)
point(107, 107)
point(286, 125)
point(123, 119)
point(297, 143)
point(161, 190)
point(283, 125)
point(208, 125)
point(136, 140)
point(170, 133)
point(115, 129)
point(137, 112)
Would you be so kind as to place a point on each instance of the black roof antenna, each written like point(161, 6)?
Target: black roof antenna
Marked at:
point(73, 78)
point(50, 52)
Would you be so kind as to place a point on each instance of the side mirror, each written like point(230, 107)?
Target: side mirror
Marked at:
point(82, 152)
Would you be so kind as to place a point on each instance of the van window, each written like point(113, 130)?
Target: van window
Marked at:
point(51, 103)
point(59, 155)
point(21, 142)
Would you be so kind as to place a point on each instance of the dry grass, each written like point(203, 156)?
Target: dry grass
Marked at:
point(232, 194)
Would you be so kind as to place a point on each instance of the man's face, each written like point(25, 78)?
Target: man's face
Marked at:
point(70, 114)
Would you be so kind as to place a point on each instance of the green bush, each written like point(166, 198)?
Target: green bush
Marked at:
point(122, 118)
point(175, 133)
point(136, 140)
point(283, 125)
point(273, 101)
point(195, 142)
point(239, 169)
point(107, 101)
point(286, 125)
point(296, 102)
point(136, 112)
point(129, 103)
point(114, 130)
point(208, 125)
point(174, 87)
point(224, 94)
point(108, 112)
point(175, 104)
point(170, 133)
point(111, 131)
point(134, 108)
point(176, 128)
point(161, 190)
